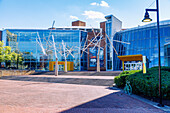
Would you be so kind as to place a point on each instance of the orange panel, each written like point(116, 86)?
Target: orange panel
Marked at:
point(131, 57)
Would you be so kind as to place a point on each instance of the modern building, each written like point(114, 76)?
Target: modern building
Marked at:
point(139, 41)
point(30, 42)
point(89, 61)
point(167, 54)
point(143, 40)
point(112, 25)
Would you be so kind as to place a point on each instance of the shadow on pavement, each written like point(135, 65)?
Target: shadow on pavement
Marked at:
point(114, 103)
point(80, 81)
point(82, 73)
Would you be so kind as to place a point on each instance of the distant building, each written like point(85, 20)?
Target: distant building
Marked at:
point(78, 23)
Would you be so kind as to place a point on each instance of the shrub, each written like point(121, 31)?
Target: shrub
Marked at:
point(147, 84)
point(121, 79)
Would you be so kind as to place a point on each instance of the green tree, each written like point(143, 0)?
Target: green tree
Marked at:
point(7, 56)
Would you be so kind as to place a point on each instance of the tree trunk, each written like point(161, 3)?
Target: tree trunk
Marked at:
point(98, 63)
point(56, 67)
point(98, 58)
point(65, 66)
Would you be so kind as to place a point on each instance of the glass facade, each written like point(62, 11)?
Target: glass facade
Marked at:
point(143, 40)
point(93, 57)
point(26, 42)
point(167, 54)
point(83, 55)
point(112, 26)
point(89, 56)
point(108, 46)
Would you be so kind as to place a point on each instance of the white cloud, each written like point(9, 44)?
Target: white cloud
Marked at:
point(103, 4)
point(93, 15)
point(74, 17)
point(94, 3)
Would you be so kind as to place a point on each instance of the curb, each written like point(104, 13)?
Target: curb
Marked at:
point(165, 108)
point(154, 104)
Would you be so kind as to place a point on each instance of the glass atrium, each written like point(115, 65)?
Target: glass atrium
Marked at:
point(143, 40)
point(29, 42)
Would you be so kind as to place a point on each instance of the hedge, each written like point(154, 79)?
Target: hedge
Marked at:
point(146, 84)
point(121, 79)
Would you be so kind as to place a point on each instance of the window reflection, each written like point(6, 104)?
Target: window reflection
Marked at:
point(144, 41)
point(33, 57)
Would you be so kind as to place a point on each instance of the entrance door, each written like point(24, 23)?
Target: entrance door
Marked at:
point(133, 66)
point(60, 67)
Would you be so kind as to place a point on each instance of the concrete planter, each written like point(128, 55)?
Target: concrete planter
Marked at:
point(15, 72)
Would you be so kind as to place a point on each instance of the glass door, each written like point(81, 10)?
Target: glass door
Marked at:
point(133, 66)
point(60, 67)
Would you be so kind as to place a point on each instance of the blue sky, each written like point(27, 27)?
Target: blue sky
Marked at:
point(41, 13)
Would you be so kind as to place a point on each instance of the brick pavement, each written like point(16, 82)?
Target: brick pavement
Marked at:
point(27, 96)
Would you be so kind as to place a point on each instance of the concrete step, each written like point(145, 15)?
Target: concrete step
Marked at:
point(82, 73)
point(62, 80)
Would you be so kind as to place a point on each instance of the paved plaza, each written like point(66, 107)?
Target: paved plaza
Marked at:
point(66, 94)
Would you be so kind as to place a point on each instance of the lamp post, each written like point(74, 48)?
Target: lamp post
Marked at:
point(147, 19)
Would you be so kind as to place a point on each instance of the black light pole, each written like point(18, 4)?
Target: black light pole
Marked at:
point(147, 19)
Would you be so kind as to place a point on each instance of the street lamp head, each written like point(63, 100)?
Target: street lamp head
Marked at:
point(146, 17)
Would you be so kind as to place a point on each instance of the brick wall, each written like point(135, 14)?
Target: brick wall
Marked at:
point(78, 23)
point(90, 36)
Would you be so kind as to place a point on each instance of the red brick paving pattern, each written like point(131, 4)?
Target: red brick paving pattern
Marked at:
point(44, 97)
